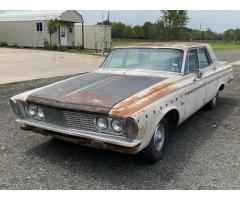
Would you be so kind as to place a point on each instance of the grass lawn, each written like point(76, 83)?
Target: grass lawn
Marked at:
point(83, 51)
point(224, 46)
point(216, 45)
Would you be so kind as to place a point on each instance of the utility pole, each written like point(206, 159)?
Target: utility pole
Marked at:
point(108, 18)
point(201, 32)
point(102, 35)
point(102, 17)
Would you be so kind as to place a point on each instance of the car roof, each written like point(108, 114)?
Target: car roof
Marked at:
point(175, 45)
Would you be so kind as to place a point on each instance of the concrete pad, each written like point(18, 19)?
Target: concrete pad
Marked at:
point(25, 64)
point(235, 63)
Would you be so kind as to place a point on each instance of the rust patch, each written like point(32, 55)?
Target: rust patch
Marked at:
point(86, 102)
point(135, 104)
point(142, 128)
point(94, 92)
point(173, 44)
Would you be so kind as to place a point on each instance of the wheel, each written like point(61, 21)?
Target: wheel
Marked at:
point(212, 104)
point(154, 151)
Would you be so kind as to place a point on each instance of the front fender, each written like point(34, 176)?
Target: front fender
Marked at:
point(149, 120)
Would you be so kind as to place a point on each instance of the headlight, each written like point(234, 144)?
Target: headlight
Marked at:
point(40, 113)
point(32, 110)
point(117, 125)
point(101, 123)
point(35, 112)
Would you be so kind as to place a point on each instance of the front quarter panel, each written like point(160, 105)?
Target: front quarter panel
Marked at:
point(148, 110)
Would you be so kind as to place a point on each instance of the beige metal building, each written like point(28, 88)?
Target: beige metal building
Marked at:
point(95, 36)
point(29, 28)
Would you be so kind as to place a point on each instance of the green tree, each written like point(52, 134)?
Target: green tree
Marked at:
point(118, 29)
point(53, 26)
point(228, 35)
point(137, 32)
point(237, 35)
point(149, 30)
point(128, 32)
point(105, 22)
point(174, 21)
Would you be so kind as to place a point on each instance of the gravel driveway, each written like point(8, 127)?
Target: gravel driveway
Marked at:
point(203, 153)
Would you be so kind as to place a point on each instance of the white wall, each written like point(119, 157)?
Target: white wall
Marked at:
point(23, 33)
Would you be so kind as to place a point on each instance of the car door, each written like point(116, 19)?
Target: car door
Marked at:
point(195, 87)
point(209, 74)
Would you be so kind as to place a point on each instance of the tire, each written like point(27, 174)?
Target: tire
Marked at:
point(155, 150)
point(212, 104)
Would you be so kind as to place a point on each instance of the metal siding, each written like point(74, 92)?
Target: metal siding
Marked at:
point(23, 33)
point(92, 36)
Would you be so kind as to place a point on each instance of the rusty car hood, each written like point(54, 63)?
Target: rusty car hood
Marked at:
point(95, 92)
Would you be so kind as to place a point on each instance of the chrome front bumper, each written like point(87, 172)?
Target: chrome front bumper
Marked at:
point(116, 140)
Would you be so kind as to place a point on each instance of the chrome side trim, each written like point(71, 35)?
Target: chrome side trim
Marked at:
point(194, 89)
point(84, 134)
point(206, 83)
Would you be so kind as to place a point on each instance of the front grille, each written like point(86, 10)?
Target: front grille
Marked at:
point(70, 118)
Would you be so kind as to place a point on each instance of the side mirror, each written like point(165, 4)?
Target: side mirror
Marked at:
point(199, 73)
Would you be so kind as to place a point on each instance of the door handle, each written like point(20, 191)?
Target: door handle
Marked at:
point(199, 74)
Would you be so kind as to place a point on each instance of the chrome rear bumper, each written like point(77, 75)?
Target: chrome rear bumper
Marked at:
point(116, 140)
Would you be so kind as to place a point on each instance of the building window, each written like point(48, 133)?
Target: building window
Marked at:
point(70, 30)
point(39, 26)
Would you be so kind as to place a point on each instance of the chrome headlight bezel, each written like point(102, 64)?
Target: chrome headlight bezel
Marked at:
point(15, 107)
point(108, 129)
point(128, 126)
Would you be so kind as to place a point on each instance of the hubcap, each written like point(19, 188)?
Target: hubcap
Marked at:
point(159, 137)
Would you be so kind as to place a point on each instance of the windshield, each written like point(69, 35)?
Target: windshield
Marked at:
point(161, 59)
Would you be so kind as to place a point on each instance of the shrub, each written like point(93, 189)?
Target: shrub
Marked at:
point(3, 44)
point(46, 44)
point(61, 48)
point(55, 46)
point(15, 45)
point(79, 47)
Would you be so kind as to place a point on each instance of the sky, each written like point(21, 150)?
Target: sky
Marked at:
point(218, 21)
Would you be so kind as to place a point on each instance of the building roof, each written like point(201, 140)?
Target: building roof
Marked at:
point(177, 45)
point(41, 15)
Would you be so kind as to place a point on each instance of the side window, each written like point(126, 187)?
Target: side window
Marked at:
point(191, 64)
point(203, 58)
point(39, 27)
